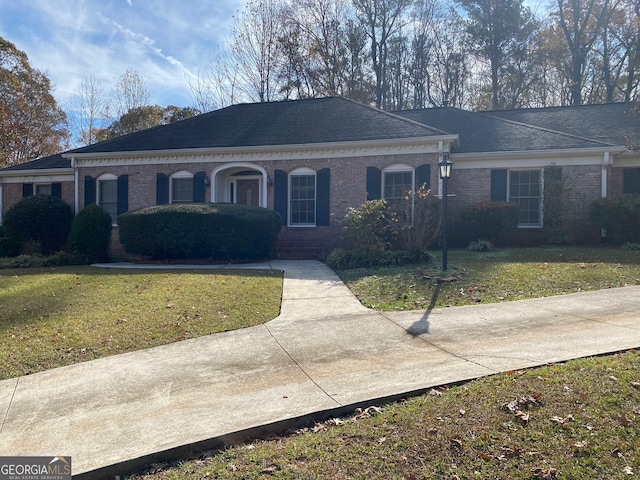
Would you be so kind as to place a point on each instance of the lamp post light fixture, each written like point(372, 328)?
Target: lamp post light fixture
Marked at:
point(445, 173)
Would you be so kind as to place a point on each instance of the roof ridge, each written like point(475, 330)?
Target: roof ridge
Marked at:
point(543, 129)
point(562, 107)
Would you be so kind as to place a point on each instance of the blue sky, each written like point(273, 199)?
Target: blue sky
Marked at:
point(166, 41)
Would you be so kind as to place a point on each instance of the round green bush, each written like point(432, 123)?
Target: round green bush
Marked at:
point(91, 233)
point(200, 231)
point(489, 220)
point(42, 219)
point(620, 216)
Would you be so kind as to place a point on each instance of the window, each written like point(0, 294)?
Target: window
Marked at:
point(525, 192)
point(108, 195)
point(396, 187)
point(44, 188)
point(181, 187)
point(631, 180)
point(303, 197)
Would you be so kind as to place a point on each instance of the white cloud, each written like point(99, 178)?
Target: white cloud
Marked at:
point(164, 40)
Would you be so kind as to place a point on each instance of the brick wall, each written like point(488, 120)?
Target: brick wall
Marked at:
point(12, 194)
point(582, 187)
point(347, 189)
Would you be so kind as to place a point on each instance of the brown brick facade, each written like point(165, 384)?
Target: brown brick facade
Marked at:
point(348, 189)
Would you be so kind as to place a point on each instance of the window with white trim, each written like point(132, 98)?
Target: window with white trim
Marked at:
point(525, 191)
point(107, 195)
point(181, 189)
point(302, 197)
point(397, 183)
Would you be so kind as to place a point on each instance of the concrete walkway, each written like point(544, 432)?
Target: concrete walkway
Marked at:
point(324, 355)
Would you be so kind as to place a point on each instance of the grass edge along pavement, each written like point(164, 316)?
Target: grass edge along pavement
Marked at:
point(52, 317)
point(492, 277)
point(575, 419)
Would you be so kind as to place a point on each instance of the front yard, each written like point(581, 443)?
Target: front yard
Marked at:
point(498, 276)
point(50, 317)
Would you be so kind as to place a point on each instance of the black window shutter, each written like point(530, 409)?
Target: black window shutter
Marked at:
point(423, 176)
point(123, 194)
point(89, 190)
point(162, 189)
point(27, 189)
point(374, 183)
point(499, 185)
point(631, 180)
point(198, 187)
point(323, 186)
point(56, 190)
point(280, 195)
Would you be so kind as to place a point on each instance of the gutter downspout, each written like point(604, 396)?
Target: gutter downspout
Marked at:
point(76, 200)
point(440, 150)
point(606, 162)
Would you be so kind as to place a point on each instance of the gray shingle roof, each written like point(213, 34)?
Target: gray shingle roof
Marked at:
point(614, 123)
point(324, 120)
point(52, 161)
point(481, 132)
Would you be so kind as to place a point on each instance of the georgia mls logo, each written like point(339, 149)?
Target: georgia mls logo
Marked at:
point(35, 468)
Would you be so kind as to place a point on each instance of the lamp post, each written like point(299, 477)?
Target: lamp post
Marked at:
point(445, 173)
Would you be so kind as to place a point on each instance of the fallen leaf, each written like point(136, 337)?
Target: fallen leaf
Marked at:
point(628, 470)
point(545, 474)
point(485, 456)
point(522, 417)
point(622, 420)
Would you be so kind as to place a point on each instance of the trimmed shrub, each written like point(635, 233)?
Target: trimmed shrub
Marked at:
point(42, 219)
point(619, 216)
point(200, 231)
point(371, 226)
point(342, 259)
point(91, 233)
point(489, 220)
point(8, 246)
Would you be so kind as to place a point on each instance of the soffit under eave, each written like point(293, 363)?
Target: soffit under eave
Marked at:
point(292, 152)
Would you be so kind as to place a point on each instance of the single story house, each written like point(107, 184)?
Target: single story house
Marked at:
point(312, 159)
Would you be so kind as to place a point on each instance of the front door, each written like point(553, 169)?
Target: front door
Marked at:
point(248, 192)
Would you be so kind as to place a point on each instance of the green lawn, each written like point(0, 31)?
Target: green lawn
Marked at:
point(489, 277)
point(52, 317)
point(577, 420)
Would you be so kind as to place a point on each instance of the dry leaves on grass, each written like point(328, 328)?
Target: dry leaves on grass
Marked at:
point(520, 403)
point(359, 414)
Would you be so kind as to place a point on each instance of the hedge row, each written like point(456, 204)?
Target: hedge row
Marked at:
point(200, 231)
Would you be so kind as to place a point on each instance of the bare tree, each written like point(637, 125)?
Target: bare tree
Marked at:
point(581, 22)
point(129, 93)
point(255, 49)
point(217, 87)
point(382, 18)
point(88, 110)
point(628, 34)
